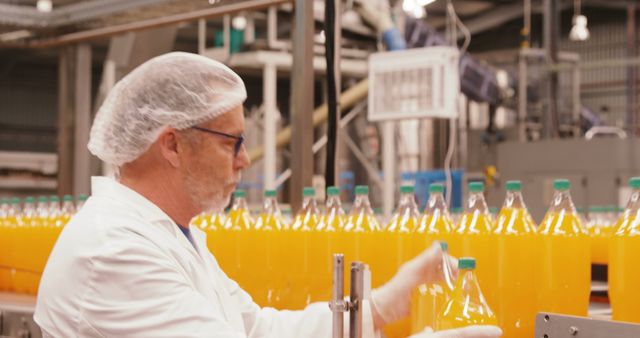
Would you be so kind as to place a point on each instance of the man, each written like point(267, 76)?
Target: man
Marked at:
point(128, 265)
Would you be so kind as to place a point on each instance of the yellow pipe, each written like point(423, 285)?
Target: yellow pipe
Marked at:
point(348, 99)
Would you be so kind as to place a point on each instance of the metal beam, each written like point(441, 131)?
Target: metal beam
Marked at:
point(302, 102)
point(29, 16)
point(82, 125)
point(105, 32)
point(632, 72)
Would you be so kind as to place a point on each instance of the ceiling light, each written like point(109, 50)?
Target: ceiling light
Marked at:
point(579, 31)
point(44, 6)
point(15, 35)
point(239, 22)
point(424, 2)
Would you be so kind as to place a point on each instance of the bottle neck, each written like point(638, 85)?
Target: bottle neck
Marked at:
point(436, 205)
point(29, 210)
point(408, 206)
point(562, 202)
point(514, 200)
point(477, 204)
point(309, 205)
point(240, 203)
point(633, 206)
point(334, 206)
point(362, 204)
point(68, 208)
point(270, 206)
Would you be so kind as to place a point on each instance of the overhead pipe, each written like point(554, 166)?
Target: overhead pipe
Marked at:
point(348, 99)
point(105, 32)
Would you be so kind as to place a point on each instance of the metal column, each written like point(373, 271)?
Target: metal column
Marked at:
point(65, 120)
point(388, 166)
point(269, 84)
point(82, 125)
point(301, 102)
point(551, 24)
point(632, 75)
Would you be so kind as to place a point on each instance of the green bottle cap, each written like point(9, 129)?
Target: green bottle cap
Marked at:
point(270, 193)
point(493, 210)
point(467, 263)
point(308, 192)
point(67, 198)
point(83, 197)
point(561, 184)
point(436, 188)
point(444, 246)
point(43, 199)
point(333, 191)
point(611, 208)
point(30, 199)
point(514, 186)
point(407, 189)
point(362, 190)
point(4, 201)
point(476, 186)
point(634, 182)
point(240, 193)
point(457, 210)
point(15, 200)
point(54, 198)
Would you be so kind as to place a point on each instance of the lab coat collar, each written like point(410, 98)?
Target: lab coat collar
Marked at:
point(110, 188)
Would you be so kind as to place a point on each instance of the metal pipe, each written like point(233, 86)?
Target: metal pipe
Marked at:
point(231, 8)
point(355, 302)
point(347, 100)
point(269, 85)
point(337, 304)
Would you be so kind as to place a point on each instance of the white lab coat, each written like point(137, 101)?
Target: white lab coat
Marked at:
point(122, 268)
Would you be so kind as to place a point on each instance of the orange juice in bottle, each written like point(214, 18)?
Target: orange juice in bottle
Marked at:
point(467, 305)
point(323, 245)
point(564, 257)
point(302, 260)
point(474, 238)
point(267, 255)
point(238, 225)
point(435, 224)
point(624, 275)
point(515, 304)
point(24, 253)
point(4, 245)
point(11, 229)
point(431, 299)
point(361, 240)
point(398, 238)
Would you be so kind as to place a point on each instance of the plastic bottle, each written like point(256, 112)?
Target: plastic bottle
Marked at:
point(324, 244)
point(82, 199)
point(564, 257)
point(624, 275)
point(24, 255)
point(516, 299)
point(467, 305)
point(598, 235)
point(399, 246)
point(302, 260)
point(238, 224)
point(268, 253)
point(474, 238)
point(4, 244)
point(68, 210)
point(360, 239)
point(12, 240)
point(435, 224)
point(430, 299)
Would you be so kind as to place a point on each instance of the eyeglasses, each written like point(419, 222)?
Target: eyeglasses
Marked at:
point(239, 139)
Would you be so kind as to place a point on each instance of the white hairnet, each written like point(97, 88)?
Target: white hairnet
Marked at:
point(176, 90)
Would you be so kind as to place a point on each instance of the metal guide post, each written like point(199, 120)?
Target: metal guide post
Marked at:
point(355, 304)
point(337, 304)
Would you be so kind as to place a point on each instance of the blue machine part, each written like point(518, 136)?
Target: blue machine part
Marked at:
point(422, 180)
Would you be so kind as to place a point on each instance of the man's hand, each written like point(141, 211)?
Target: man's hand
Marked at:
point(391, 301)
point(475, 331)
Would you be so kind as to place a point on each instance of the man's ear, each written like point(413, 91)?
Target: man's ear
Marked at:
point(168, 143)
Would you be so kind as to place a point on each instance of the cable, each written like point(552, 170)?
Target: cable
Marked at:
point(447, 161)
point(332, 95)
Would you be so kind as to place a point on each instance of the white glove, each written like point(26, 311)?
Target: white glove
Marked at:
point(474, 331)
point(392, 301)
